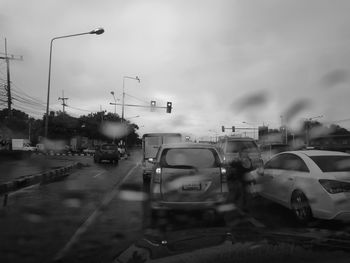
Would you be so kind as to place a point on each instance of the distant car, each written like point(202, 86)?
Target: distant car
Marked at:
point(150, 145)
point(241, 154)
point(108, 152)
point(89, 151)
point(311, 183)
point(188, 176)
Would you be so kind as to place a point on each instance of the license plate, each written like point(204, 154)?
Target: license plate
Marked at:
point(192, 187)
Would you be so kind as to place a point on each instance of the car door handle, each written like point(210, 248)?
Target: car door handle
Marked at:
point(270, 176)
point(290, 179)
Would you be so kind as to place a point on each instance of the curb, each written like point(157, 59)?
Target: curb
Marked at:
point(29, 180)
point(63, 154)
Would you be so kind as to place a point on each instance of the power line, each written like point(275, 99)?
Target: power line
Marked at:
point(63, 101)
point(137, 98)
point(79, 109)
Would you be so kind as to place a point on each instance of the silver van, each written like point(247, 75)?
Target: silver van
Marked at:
point(150, 145)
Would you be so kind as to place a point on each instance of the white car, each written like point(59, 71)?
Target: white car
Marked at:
point(311, 183)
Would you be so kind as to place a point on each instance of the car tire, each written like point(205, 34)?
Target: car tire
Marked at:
point(146, 179)
point(301, 207)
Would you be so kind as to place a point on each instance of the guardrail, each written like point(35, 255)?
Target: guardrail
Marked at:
point(29, 180)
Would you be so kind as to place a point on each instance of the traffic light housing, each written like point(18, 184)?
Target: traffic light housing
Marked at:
point(169, 106)
point(223, 128)
point(233, 128)
point(153, 105)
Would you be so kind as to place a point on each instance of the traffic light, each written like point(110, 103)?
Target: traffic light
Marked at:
point(233, 129)
point(169, 106)
point(153, 105)
point(223, 128)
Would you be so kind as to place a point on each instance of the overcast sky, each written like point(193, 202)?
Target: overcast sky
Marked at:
point(220, 62)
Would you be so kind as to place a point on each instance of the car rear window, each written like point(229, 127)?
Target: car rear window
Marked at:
point(332, 163)
point(189, 158)
point(109, 147)
point(239, 146)
point(153, 140)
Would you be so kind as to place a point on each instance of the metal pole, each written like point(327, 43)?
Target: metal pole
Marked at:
point(123, 100)
point(9, 97)
point(97, 32)
point(48, 91)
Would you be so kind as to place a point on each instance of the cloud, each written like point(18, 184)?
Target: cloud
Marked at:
point(252, 101)
point(293, 110)
point(334, 78)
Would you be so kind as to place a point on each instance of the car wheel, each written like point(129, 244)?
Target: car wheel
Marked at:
point(301, 207)
point(146, 179)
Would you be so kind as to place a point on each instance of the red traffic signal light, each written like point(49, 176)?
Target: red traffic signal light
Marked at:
point(223, 128)
point(153, 105)
point(169, 106)
point(233, 128)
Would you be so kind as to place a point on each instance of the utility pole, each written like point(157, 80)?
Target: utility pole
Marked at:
point(63, 101)
point(8, 88)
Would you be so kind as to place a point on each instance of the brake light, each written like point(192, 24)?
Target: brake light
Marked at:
point(335, 187)
point(157, 175)
point(223, 173)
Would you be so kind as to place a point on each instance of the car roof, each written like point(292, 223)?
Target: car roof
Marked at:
point(188, 145)
point(311, 153)
point(237, 139)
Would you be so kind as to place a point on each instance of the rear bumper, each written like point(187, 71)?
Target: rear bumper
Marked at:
point(147, 168)
point(107, 157)
point(189, 206)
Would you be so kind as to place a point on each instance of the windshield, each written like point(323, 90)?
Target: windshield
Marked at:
point(109, 147)
point(240, 146)
point(174, 131)
point(187, 157)
point(332, 163)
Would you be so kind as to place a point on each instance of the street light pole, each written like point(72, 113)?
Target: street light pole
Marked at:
point(308, 122)
point(115, 103)
point(253, 127)
point(123, 103)
point(97, 31)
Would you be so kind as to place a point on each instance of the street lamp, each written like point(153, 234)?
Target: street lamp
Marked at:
point(216, 134)
point(115, 103)
point(97, 31)
point(253, 127)
point(126, 77)
point(308, 122)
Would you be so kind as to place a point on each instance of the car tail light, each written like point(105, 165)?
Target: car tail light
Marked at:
point(157, 175)
point(223, 173)
point(335, 187)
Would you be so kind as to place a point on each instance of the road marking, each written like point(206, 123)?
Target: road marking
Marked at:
point(96, 175)
point(83, 228)
point(255, 222)
point(251, 219)
point(23, 190)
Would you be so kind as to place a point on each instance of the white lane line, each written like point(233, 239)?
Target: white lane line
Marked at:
point(83, 228)
point(251, 219)
point(96, 175)
point(24, 190)
point(255, 222)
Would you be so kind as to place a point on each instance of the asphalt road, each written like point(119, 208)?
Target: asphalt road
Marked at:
point(98, 211)
point(11, 169)
point(79, 219)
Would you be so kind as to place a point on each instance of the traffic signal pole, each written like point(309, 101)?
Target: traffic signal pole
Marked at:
point(141, 106)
